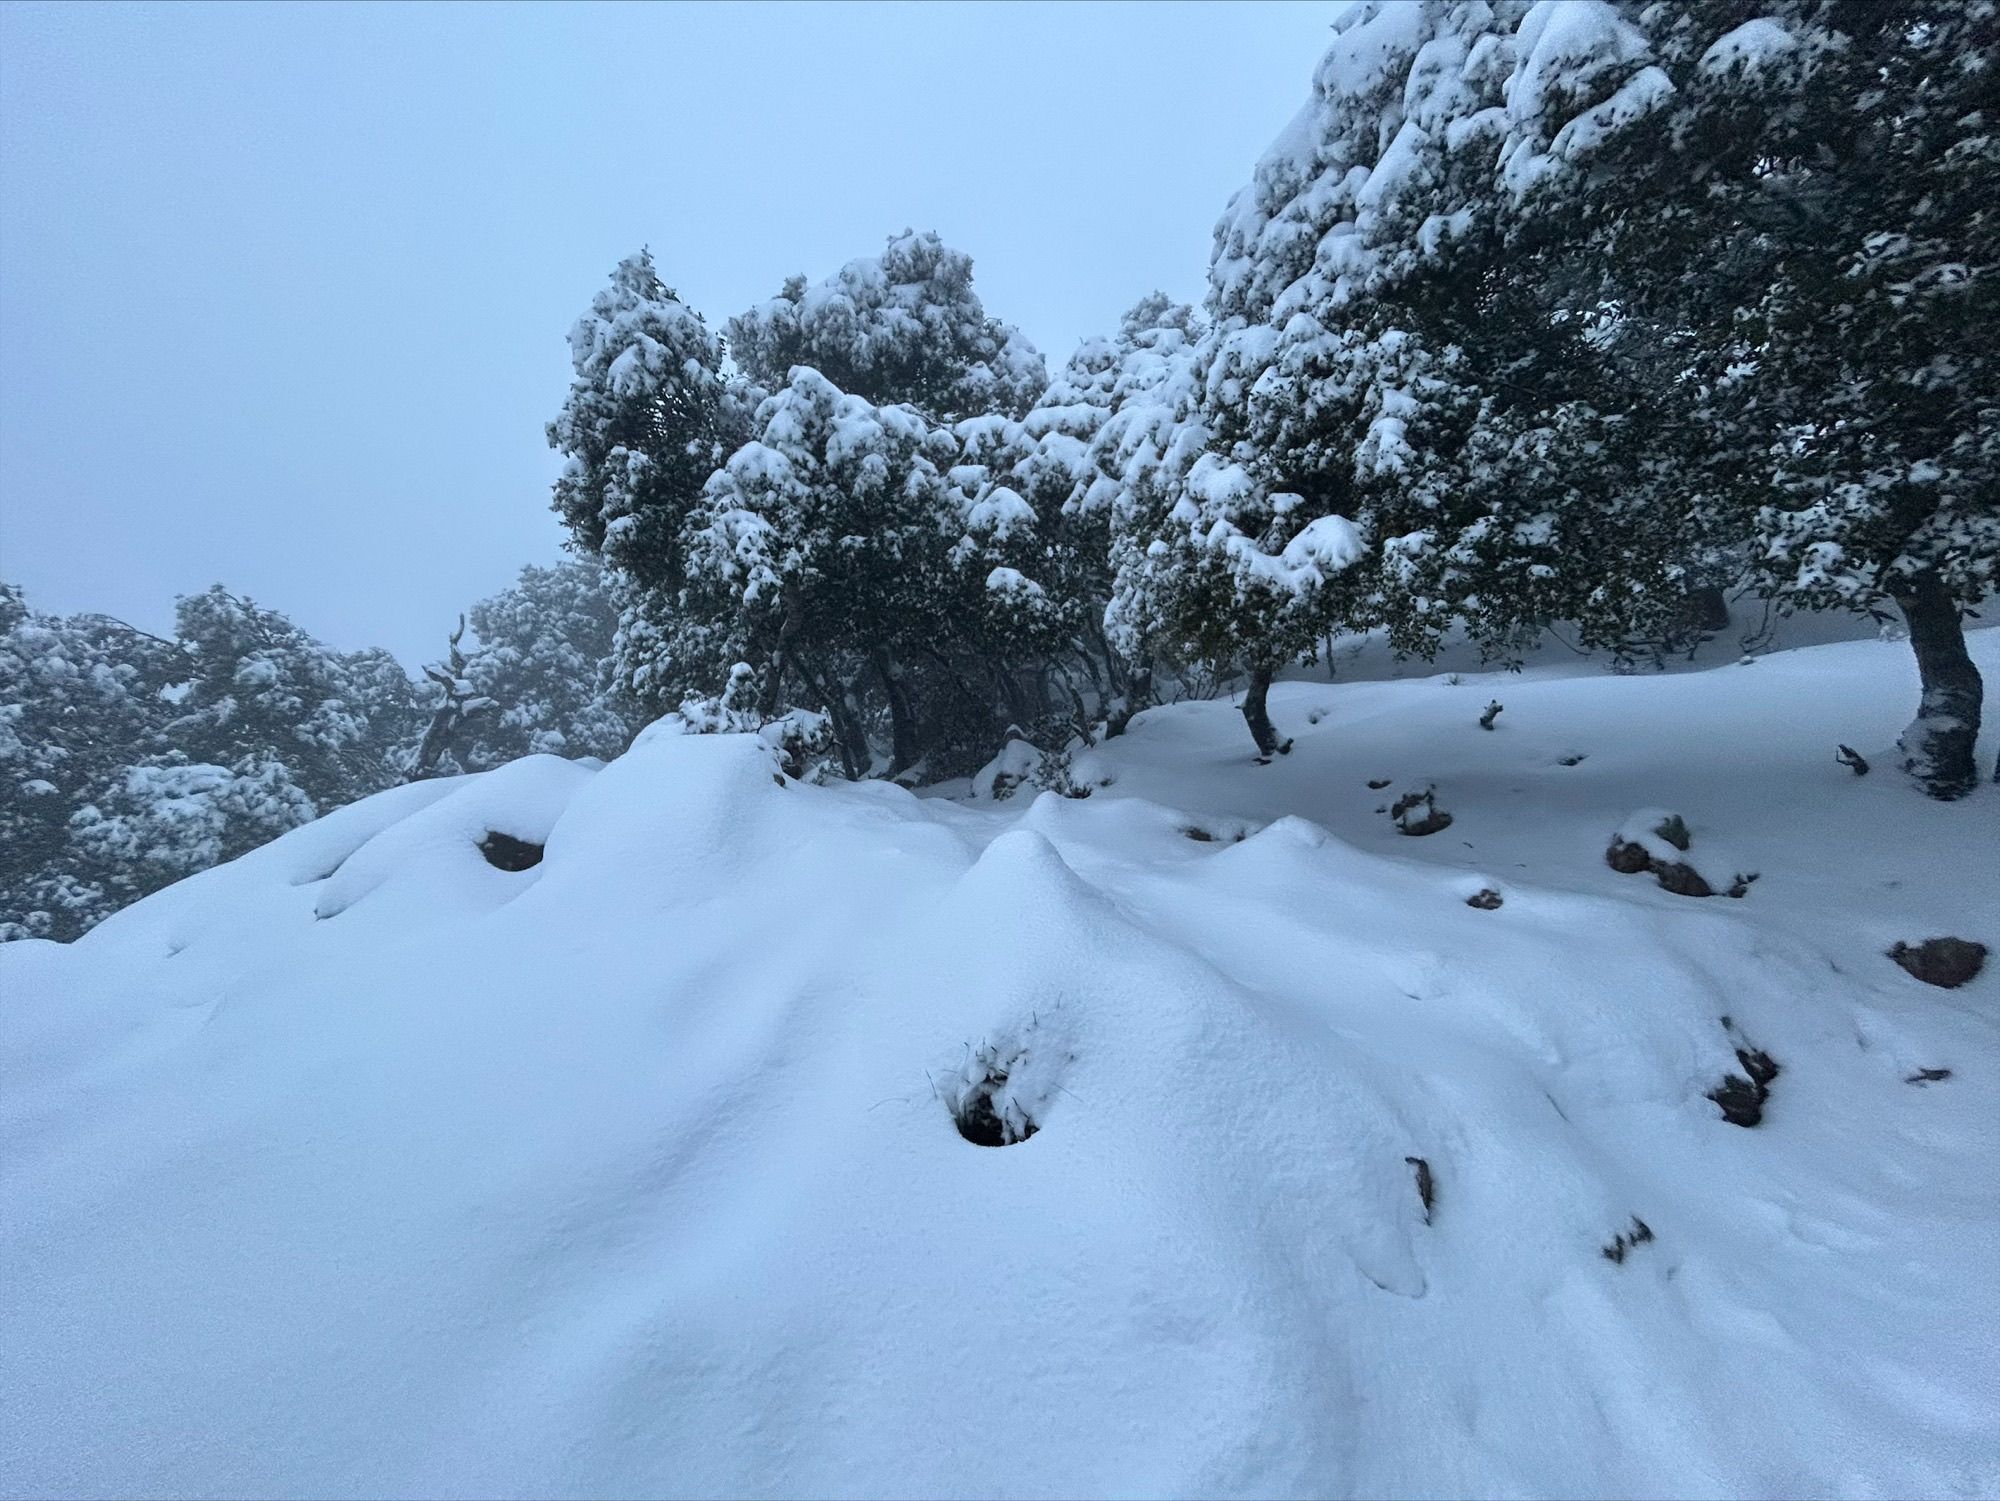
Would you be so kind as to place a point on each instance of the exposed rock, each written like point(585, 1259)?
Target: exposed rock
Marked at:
point(1945, 962)
point(1486, 899)
point(1682, 880)
point(1417, 813)
point(1638, 848)
point(1625, 1240)
point(1627, 859)
point(1741, 1096)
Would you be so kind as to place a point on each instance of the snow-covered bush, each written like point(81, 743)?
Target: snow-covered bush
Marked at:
point(803, 739)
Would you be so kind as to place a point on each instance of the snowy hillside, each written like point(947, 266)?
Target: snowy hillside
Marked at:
point(362, 1166)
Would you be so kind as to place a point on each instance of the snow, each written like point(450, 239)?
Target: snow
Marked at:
point(1753, 46)
point(358, 1166)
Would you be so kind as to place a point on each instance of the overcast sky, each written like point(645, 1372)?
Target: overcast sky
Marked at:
point(284, 289)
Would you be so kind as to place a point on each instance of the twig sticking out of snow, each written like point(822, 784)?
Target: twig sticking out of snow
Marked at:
point(1625, 1240)
point(1850, 757)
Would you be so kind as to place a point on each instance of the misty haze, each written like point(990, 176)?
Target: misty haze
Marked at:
point(1000, 750)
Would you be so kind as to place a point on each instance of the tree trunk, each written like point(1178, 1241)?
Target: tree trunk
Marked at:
point(1939, 745)
point(774, 671)
point(1708, 609)
point(1258, 716)
point(905, 749)
point(847, 731)
point(1135, 693)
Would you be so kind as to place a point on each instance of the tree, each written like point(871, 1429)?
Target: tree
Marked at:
point(648, 418)
point(257, 687)
point(538, 679)
point(166, 818)
point(1236, 527)
point(856, 553)
point(1063, 461)
point(901, 328)
point(1807, 229)
point(80, 697)
point(823, 540)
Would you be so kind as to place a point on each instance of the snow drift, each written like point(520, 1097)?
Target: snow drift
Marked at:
point(361, 1166)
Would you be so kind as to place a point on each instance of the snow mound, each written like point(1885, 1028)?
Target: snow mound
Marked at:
point(360, 1166)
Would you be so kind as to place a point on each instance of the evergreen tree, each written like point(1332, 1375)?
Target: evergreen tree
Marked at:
point(541, 672)
point(901, 328)
point(80, 698)
point(649, 417)
point(1236, 528)
point(904, 594)
point(1809, 229)
point(257, 687)
point(166, 818)
point(1061, 460)
point(823, 541)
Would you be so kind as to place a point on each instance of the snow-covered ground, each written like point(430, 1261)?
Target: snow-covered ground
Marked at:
point(360, 1166)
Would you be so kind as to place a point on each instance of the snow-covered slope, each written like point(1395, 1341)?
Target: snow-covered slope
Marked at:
point(360, 1166)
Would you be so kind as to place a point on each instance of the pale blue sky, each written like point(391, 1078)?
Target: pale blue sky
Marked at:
point(284, 289)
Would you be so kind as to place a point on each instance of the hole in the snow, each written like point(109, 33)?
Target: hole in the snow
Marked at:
point(1426, 1185)
point(982, 1125)
point(505, 852)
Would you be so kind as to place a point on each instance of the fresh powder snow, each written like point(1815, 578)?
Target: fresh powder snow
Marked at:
point(626, 1157)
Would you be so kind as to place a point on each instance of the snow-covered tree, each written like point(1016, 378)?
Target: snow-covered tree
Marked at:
point(536, 681)
point(1811, 227)
point(1237, 524)
point(649, 416)
point(80, 698)
point(258, 687)
point(543, 660)
point(166, 818)
point(822, 541)
point(1412, 410)
point(859, 552)
point(1048, 571)
point(904, 327)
